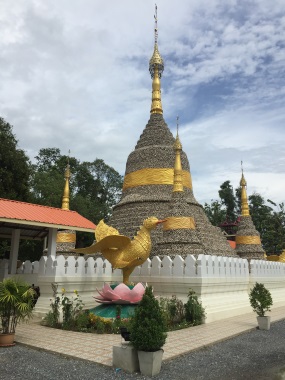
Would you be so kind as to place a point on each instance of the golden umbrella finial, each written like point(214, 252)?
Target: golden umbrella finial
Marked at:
point(244, 202)
point(177, 182)
point(65, 198)
point(156, 68)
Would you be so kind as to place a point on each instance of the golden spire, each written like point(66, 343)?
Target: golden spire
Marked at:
point(177, 183)
point(65, 198)
point(244, 203)
point(156, 67)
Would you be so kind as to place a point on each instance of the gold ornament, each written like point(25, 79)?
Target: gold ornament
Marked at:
point(64, 237)
point(248, 240)
point(152, 176)
point(122, 252)
point(175, 223)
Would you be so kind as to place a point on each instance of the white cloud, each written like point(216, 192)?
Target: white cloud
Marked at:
point(74, 75)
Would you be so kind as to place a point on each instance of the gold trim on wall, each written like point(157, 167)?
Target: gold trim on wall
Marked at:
point(63, 237)
point(157, 176)
point(175, 223)
point(248, 240)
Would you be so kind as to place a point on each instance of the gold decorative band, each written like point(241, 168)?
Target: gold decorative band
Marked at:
point(64, 237)
point(175, 223)
point(248, 240)
point(151, 176)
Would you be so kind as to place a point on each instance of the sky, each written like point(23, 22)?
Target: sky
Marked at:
point(74, 75)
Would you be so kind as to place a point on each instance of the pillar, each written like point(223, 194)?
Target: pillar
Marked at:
point(15, 240)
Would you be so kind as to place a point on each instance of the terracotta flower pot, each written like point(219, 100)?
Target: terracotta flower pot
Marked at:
point(7, 340)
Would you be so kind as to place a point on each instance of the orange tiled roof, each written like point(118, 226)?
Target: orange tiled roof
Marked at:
point(232, 244)
point(28, 213)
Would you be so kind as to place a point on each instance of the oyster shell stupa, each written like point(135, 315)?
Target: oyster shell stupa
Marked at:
point(121, 294)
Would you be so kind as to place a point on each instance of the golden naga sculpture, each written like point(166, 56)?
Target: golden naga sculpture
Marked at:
point(122, 252)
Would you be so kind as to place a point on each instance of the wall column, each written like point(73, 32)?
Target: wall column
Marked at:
point(15, 240)
point(52, 233)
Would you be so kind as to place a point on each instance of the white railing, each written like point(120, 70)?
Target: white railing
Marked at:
point(203, 266)
point(222, 283)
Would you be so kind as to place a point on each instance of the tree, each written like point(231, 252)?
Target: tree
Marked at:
point(215, 212)
point(15, 166)
point(148, 328)
point(269, 221)
point(228, 199)
point(259, 212)
point(273, 238)
point(95, 187)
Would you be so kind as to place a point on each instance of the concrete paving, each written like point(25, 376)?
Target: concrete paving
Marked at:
point(99, 347)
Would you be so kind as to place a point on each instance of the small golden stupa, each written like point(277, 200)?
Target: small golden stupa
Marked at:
point(179, 229)
point(66, 239)
point(248, 244)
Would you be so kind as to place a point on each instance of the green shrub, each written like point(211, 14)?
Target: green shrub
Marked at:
point(72, 309)
point(16, 303)
point(194, 311)
point(148, 329)
point(260, 299)
point(100, 327)
point(173, 311)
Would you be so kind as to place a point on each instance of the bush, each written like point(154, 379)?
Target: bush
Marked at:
point(260, 299)
point(148, 329)
point(72, 309)
point(173, 311)
point(16, 303)
point(194, 311)
point(168, 314)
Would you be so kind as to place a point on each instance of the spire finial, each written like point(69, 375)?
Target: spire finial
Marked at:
point(155, 25)
point(177, 183)
point(65, 198)
point(156, 67)
point(177, 125)
point(244, 202)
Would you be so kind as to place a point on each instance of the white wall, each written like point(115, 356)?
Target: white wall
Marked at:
point(222, 283)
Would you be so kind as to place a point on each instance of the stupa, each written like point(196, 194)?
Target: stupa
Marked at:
point(179, 229)
point(65, 239)
point(248, 244)
point(148, 180)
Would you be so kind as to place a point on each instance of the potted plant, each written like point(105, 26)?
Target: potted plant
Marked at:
point(148, 333)
point(261, 300)
point(16, 304)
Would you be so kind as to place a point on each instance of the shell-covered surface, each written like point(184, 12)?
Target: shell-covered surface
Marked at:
point(154, 149)
point(248, 251)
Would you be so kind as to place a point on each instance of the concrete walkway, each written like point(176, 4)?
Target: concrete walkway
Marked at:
point(98, 348)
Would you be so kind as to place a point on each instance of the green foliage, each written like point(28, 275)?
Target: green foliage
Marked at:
point(269, 220)
point(148, 329)
point(16, 303)
point(100, 327)
point(72, 310)
point(215, 212)
point(5, 246)
point(52, 317)
point(15, 167)
point(194, 311)
point(226, 194)
point(95, 187)
point(260, 299)
point(107, 325)
point(173, 311)
point(30, 250)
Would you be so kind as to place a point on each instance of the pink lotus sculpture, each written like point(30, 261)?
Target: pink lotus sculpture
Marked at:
point(121, 294)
